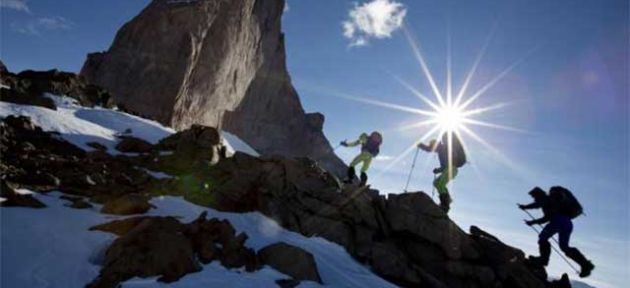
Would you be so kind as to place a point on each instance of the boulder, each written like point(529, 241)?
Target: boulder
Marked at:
point(130, 144)
point(154, 247)
point(162, 246)
point(76, 202)
point(127, 204)
point(290, 260)
point(415, 213)
point(14, 199)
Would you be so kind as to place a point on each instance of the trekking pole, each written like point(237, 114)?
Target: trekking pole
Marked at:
point(552, 246)
point(433, 186)
point(413, 165)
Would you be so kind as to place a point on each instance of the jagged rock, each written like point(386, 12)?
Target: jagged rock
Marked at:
point(154, 247)
point(127, 204)
point(415, 213)
point(76, 202)
point(29, 87)
point(215, 63)
point(291, 260)
point(133, 145)
point(26, 98)
point(406, 238)
point(194, 148)
point(13, 199)
point(144, 248)
point(120, 227)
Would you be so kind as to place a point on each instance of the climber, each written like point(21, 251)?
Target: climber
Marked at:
point(450, 162)
point(559, 207)
point(370, 146)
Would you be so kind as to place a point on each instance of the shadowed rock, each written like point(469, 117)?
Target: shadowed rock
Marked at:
point(290, 260)
point(215, 63)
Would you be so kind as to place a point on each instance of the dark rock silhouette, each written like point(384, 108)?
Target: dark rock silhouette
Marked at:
point(404, 238)
point(29, 87)
point(162, 246)
point(215, 63)
point(290, 260)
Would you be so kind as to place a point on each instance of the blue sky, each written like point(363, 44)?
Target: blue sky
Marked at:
point(569, 94)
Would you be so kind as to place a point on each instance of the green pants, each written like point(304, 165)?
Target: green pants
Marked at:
point(364, 157)
point(442, 180)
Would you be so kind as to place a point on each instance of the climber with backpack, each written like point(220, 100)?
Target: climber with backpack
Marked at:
point(370, 147)
point(559, 207)
point(450, 161)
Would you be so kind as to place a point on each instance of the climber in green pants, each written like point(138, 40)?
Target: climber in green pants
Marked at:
point(370, 146)
point(450, 161)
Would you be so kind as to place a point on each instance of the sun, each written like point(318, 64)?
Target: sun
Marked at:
point(450, 118)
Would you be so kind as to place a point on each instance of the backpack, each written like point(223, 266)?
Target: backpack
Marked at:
point(459, 155)
point(568, 205)
point(372, 145)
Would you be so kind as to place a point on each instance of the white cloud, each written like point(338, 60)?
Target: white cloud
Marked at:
point(19, 5)
point(376, 19)
point(286, 7)
point(39, 25)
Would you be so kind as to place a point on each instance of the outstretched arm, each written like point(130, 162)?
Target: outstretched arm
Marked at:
point(359, 141)
point(533, 205)
point(542, 220)
point(428, 148)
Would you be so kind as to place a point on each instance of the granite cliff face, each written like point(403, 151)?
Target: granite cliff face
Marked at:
point(213, 62)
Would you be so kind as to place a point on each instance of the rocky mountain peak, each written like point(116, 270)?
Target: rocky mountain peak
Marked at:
point(212, 62)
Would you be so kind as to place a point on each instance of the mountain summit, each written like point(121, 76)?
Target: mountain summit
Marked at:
point(216, 63)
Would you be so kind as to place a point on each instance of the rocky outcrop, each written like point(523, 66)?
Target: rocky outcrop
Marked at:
point(11, 198)
point(162, 246)
point(29, 87)
point(405, 238)
point(218, 63)
point(290, 260)
point(42, 162)
point(127, 205)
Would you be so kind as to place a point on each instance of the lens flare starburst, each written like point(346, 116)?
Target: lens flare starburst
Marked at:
point(449, 112)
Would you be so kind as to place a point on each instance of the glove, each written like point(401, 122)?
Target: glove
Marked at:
point(521, 206)
point(343, 143)
point(437, 170)
point(529, 223)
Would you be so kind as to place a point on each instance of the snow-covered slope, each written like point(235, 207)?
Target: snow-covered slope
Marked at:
point(80, 125)
point(52, 247)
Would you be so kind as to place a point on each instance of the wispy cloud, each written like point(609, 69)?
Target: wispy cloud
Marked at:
point(286, 7)
point(43, 24)
point(19, 5)
point(375, 19)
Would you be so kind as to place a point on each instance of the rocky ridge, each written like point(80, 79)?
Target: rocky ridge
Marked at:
point(404, 238)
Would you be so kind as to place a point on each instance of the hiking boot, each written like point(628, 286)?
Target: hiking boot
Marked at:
point(445, 202)
point(587, 268)
point(363, 179)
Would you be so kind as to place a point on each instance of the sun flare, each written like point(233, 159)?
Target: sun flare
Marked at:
point(448, 112)
point(450, 118)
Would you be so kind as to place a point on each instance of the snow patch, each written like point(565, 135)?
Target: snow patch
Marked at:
point(61, 252)
point(233, 143)
point(80, 125)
